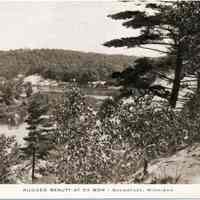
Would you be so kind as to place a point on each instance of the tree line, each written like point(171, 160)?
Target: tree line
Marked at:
point(60, 64)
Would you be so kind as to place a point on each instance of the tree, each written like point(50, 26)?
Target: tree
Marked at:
point(74, 158)
point(107, 108)
point(145, 132)
point(10, 90)
point(28, 89)
point(66, 112)
point(37, 141)
point(173, 24)
point(8, 158)
point(7, 91)
point(139, 79)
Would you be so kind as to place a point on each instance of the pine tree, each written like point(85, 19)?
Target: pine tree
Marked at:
point(37, 141)
point(139, 79)
point(173, 24)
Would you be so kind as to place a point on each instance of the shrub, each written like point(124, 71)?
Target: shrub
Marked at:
point(8, 158)
point(110, 146)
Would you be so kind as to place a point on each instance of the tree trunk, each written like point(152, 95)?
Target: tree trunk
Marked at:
point(33, 165)
point(177, 80)
point(145, 172)
point(198, 83)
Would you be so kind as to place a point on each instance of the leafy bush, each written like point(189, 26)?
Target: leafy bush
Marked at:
point(8, 158)
point(74, 139)
point(110, 146)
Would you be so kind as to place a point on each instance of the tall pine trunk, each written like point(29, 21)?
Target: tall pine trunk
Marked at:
point(33, 165)
point(177, 80)
point(198, 84)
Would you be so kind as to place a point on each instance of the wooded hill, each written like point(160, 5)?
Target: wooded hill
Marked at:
point(61, 64)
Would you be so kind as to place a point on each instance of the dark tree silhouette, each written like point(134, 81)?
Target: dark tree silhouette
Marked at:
point(140, 77)
point(175, 25)
point(37, 141)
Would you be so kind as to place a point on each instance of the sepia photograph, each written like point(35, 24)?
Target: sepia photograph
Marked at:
point(100, 92)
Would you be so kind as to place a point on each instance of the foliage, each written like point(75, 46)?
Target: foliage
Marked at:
point(107, 109)
point(60, 64)
point(37, 141)
point(12, 101)
point(110, 146)
point(145, 132)
point(140, 79)
point(8, 158)
point(10, 90)
point(66, 114)
point(168, 24)
point(190, 115)
point(156, 131)
point(74, 158)
point(82, 153)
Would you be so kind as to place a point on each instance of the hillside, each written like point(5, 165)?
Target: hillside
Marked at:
point(181, 168)
point(61, 64)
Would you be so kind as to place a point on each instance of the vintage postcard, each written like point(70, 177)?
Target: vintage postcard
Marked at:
point(99, 99)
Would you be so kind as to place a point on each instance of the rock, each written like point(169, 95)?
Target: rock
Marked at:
point(181, 168)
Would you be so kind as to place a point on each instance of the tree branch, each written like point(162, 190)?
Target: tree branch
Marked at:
point(163, 43)
point(164, 29)
point(152, 49)
point(164, 76)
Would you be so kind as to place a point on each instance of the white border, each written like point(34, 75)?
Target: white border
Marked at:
point(117, 191)
point(98, 191)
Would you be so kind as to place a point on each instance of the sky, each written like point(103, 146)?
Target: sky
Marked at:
point(73, 25)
